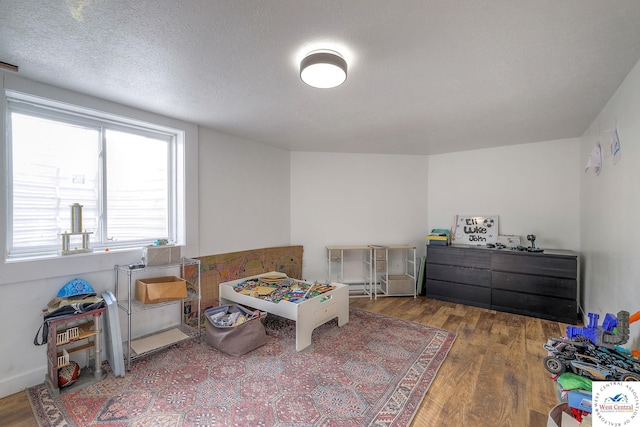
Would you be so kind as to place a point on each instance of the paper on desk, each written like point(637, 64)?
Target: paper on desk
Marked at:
point(595, 160)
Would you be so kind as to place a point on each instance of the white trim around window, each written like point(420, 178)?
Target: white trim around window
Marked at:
point(186, 155)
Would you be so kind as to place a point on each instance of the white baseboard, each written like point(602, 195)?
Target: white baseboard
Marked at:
point(13, 385)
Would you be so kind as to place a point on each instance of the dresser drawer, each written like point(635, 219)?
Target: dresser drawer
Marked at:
point(448, 255)
point(464, 275)
point(533, 284)
point(459, 293)
point(538, 264)
point(540, 285)
point(545, 307)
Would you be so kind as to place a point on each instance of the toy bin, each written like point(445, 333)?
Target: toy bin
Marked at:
point(234, 329)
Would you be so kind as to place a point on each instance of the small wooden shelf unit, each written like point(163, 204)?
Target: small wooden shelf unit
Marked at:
point(67, 336)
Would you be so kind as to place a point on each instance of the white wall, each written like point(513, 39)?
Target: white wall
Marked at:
point(533, 188)
point(244, 194)
point(27, 286)
point(360, 199)
point(243, 203)
point(610, 208)
point(251, 196)
point(355, 199)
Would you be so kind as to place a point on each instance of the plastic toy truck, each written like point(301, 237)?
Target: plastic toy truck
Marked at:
point(594, 351)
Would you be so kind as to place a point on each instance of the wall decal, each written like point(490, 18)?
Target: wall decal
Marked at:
point(595, 160)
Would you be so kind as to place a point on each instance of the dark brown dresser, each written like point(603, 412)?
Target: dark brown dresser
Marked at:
point(543, 285)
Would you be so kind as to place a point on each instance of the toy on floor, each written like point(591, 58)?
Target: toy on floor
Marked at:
point(595, 351)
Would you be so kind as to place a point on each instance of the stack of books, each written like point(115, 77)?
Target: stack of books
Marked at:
point(438, 236)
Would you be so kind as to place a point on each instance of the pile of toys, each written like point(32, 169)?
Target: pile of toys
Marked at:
point(291, 290)
point(224, 318)
point(590, 353)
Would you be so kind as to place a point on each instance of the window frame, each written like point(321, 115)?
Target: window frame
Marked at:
point(186, 184)
point(34, 107)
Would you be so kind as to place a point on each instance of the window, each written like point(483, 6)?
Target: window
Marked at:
point(122, 172)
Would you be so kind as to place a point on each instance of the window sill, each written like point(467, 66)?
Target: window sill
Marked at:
point(24, 270)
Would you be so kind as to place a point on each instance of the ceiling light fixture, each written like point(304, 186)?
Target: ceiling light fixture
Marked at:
point(8, 66)
point(323, 69)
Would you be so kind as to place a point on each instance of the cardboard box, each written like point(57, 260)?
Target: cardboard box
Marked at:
point(161, 255)
point(160, 289)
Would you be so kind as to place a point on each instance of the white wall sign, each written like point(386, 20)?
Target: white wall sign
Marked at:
point(476, 230)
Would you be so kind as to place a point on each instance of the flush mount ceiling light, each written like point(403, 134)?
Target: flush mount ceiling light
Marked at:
point(323, 69)
point(8, 66)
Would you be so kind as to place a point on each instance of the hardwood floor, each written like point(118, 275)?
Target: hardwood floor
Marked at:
point(15, 411)
point(492, 377)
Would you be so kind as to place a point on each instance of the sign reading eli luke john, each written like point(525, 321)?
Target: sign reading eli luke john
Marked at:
point(476, 230)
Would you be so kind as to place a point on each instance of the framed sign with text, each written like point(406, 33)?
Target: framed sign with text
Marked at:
point(476, 229)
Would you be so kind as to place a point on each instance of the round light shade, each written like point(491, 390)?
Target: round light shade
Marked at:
point(323, 70)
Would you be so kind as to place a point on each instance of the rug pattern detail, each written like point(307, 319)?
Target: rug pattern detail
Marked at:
point(373, 371)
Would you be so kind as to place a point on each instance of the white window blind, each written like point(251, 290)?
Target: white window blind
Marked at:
point(123, 175)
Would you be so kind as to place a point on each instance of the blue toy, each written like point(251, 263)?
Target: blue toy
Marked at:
point(594, 351)
point(76, 288)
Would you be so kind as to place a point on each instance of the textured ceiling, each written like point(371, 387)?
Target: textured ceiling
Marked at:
point(425, 76)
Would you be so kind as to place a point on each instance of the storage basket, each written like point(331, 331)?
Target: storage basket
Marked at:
point(238, 338)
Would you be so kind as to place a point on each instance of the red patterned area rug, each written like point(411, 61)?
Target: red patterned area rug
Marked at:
point(373, 371)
